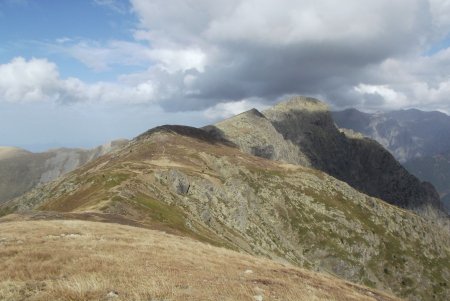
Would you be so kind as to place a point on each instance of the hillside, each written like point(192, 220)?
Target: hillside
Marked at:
point(301, 131)
point(20, 170)
point(190, 182)
point(74, 260)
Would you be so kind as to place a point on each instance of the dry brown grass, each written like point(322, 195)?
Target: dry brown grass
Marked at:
point(81, 260)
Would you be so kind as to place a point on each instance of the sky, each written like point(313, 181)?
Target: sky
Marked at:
point(81, 73)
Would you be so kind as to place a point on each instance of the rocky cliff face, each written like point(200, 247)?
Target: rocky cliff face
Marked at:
point(21, 170)
point(192, 182)
point(302, 131)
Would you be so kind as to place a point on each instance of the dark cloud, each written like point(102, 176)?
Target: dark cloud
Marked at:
point(266, 49)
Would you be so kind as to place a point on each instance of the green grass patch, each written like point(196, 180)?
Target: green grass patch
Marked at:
point(6, 210)
point(162, 212)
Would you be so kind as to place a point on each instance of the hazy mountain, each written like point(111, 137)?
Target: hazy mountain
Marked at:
point(434, 169)
point(197, 183)
point(21, 170)
point(407, 134)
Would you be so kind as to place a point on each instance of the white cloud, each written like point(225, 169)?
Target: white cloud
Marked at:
point(25, 81)
point(395, 100)
point(39, 80)
point(173, 60)
point(102, 57)
point(227, 109)
point(440, 15)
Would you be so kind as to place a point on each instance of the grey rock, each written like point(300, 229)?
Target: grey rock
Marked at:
point(178, 181)
point(112, 295)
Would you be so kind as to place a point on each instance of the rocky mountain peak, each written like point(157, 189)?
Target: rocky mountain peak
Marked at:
point(253, 133)
point(301, 131)
point(253, 112)
point(300, 114)
point(300, 103)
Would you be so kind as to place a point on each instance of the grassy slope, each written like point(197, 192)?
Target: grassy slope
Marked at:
point(79, 260)
point(259, 206)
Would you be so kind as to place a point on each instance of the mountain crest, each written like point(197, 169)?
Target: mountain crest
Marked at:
point(176, 179)
point(301, 131)
point(253, 112)
point(301, 103)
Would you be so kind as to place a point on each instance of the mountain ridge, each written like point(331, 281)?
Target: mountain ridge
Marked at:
point(21, 170)
point(216, 193)
point(301, 131)
point(405, 133)
point(418, 139)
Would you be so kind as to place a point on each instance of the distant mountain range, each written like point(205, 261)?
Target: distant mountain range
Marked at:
point(434, 169)
point(21, 170)
point(284, 183)
point(407, 134)
point(418, 139)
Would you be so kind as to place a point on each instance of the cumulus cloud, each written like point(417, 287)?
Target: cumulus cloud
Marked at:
point(38, 80)
point(26, 81)
point(227, 109)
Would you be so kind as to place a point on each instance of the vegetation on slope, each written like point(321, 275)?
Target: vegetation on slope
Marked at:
point(79, 260)
point(192, 185)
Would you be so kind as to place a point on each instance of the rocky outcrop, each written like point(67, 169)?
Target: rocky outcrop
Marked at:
point(301, 131)
point(256, 135)
point(21, 170)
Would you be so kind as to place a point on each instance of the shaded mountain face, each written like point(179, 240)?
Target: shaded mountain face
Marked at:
point(420, 140)
point(434, 169)
point(192, 182)
point(301, 131)
point(407, 134)
point(20, 170)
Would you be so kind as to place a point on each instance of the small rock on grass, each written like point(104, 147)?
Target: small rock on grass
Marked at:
point(112, 295)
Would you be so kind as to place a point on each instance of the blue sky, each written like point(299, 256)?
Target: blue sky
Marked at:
point(35, 29)
point(80, 73)
point(32, 28)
